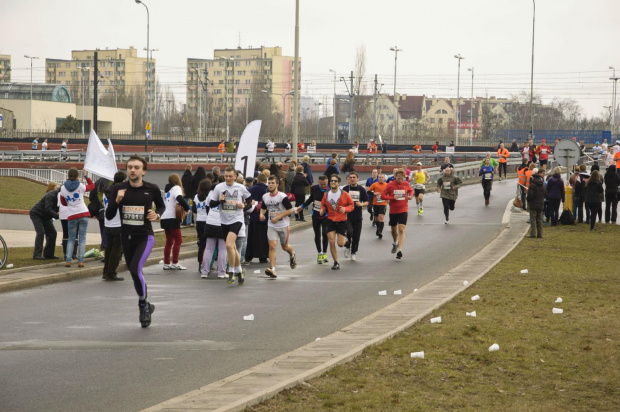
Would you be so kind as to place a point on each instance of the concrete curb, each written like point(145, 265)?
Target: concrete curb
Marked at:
point(263, 381)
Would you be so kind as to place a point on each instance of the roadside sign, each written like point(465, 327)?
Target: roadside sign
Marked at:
point(0, 119)
point(148, 126)
point(148, 134)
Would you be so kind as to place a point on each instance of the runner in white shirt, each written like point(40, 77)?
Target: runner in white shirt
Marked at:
point(216, 243)
point(232, 198)
point(200, 208)
point(270, 146)
point(605, 147)
point(279, 207)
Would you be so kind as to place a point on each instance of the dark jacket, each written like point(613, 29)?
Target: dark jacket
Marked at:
point(316, 195)
point(331, 170)
point(308, 172)
point(186, 181)
point(555, 187)
point(257, 191)
point(593, 191)
point(47, 207)
point(192, 189)
point(536, 193)
point(96, 196)
point(580, 184)
point(612, 180)
point(299, 184)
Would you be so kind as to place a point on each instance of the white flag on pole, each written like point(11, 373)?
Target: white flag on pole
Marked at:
point(248, 145)
point(99, 160)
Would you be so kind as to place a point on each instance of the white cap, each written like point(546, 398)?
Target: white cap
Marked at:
point(419, 163)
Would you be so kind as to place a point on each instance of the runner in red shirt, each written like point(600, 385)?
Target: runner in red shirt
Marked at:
point(543, 153)
point(398, 192)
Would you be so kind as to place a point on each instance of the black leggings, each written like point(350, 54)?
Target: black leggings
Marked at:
point(487, 186)
point(354, 231)
point(611, 207)
point(594, 209)
point(137, 249)
point(448, 205)
point(202, 239)
point(502, 166)
point(320, 227)
point(554, 210)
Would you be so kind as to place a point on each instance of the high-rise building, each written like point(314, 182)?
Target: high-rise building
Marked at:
point(121, 72)
point(234, 77)
point(5, 68)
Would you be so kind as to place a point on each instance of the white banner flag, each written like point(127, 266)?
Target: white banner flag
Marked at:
point(248, 145)
point(99, 160)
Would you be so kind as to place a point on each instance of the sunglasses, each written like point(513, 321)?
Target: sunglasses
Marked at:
point(334, 181)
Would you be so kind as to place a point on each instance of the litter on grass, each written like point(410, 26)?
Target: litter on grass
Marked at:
point(472, 314)
point(436, 320)
point(493, 347)
point(417, 355)
point(524, 271)
point(558, 300)
point(465, 283)
point(475, 297)
point(557, 310)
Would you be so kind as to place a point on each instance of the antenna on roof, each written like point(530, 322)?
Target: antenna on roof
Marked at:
point(239, 45)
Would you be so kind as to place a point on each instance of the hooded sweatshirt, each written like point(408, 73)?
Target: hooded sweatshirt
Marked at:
point(449, 186)
point(612, 181)
point(72, 196)
point(555, 187)
point(536, 193)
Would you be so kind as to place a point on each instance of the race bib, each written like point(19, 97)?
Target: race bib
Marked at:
point(488, 176)
point(133, 215)
point(399, 195)
point(446, 185)
point(316, 206)
point(355, 196)
point(230, 204)
point(419, 186)
point(274, 213)
point(543, 151)
point(378, 198)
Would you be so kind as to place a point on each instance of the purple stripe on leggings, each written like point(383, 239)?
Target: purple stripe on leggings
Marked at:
point(150, 242)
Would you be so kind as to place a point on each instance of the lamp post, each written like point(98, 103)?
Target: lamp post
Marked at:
point(146, 77)
point(83, 69)
point(31, 58)
point(334, 106)
point(394, 125)
point(198, 87)
point(226, 96)
point(471, 108)
point(613, 100)
point(532, 74)
point(458, 100)
point(318, 118)
point(292, 92)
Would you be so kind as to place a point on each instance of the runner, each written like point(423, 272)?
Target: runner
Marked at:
point(543, 153)
point(201, 210)
point(486, 171)
point(446, 163)
point(279, 207)
point(502, 157)
point(174, 194)
point(398, 192)
point(354, 219)
point(319, 222)
point(216, 242)
point(135, 199)
point(230, 196)
point(448, 185)
point(378, 204)
point(420, 177)
point(372, 179)
point(336, 204)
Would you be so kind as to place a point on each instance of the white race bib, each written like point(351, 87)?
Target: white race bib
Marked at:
point(399, 195)
point(488, 176)
point(419, 186)
point(133, 215)
point(355, 196)
point(316, 206)
point(446, 185)
point(378, 198)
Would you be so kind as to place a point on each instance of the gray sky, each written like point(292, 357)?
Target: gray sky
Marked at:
point(576, 41)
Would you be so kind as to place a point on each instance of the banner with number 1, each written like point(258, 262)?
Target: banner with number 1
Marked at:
point(248, 145)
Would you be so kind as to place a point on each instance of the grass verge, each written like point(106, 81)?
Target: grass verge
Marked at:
point(20, 193)
point(22, 256)
point(546, 362)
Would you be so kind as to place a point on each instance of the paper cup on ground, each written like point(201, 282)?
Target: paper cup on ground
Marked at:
point(9, 266)
point(382, 292)
point(494, 347)
point(475, 297)
point(465, 283)
point(249, 317)
point(557, 310)
point(558, 300)
point(419, 355)
point(436, 320)
point(257, 271)
point(161, 262)
point(524, 271)
point(398, 292)
point(472, 314)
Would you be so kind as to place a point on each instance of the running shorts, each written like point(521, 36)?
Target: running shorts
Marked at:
point(398, 219)
point(233, 227)
point(378, 209)
point(278, 233)
point(338, 227)
point(417, 192)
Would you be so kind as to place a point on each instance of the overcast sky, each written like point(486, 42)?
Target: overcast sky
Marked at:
point(576, 41)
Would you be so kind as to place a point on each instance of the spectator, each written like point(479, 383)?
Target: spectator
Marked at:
point(417, 149)
point(42, 215)
point(307, 170)
point(521, 170)
point(543, 153)
point(290, 175)
point(270, 146)
point(451, 143)
point(172, 228)
point(77, 216)
point(63, 149)
point(298, 188)
point(186, 181)
point(514, 147)
point(334, 156)
point(535, 201)
point(231, 147)
point(555, 194)
point(216, 174)
point(332, 169)
point(301, 147)
point(580, 194)
point(113, 250)
point(446, 163)
point(257, 242)
point(35, 144)
point(594, 191)
point(435, 147)
point(289, 147)
point(44, 145)
point(349, 163)
point(612, 181)
point(97, 208)
point(355, 148)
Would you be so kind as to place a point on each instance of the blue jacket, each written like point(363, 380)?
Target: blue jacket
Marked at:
point(257, 191)
point(555, 187)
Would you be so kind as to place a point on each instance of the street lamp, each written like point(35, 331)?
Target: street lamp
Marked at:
point(334, 105)
point(226, 91)
point(394, 125)
point(292, 92)
point(318, 118)
point(198, 82)
point(471, 108)
point(458, 100)
point(146, 77)
point(613, 100)
point(532, 75)
point(83, 69)
point(31, 58)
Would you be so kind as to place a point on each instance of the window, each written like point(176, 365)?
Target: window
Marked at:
point(441, 120)
point(237, 81)
point(237, 63)
point(432, 120)
point(248, 81)
point(221, 64)
point(240, 72)
point(67, 83)
point(248, 63)
point(220, 100)
point(220, 82)
point(67, 64)
point(254, 72)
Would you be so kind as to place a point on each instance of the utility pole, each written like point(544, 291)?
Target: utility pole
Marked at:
point(334, 106)
point(95, 83)
point(374, 110)
point(613, 102)
point(296, 88)
point(352, 111)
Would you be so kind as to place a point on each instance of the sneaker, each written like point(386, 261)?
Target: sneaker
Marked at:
point(380, 235)
point(241, 277)
point(168, 267)
point(231, 278)
point(325, 260)
point(394, 247)
point(486, 202)
point(336, 266)
point(177, 267)
point(319, 259)
point(245, 263)
point(67, 264)
point(204, 275)
point(347, 252)
point(421, 210)
point(446, 222)
point(293, 261)
point(500, 179)
point(271, 272)
point(146, 309)
point(419, 213)
point(399, 255)
point(353, 256)
point(221, 276)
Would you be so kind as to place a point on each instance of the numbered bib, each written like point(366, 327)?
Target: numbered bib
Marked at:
point(316, 206)
point(399, 195)
point(488, 176)
point(133, 215)
point(355, 196)
point(378, 198)
point(419, 186)
point(446, 185)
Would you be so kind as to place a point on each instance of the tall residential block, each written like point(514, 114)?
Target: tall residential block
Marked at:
point(234, 77)
point(5, 68)
point(121, 72)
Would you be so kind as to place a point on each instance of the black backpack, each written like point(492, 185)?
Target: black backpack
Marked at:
point(566, 218)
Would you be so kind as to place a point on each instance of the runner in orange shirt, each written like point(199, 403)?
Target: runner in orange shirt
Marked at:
point(378, 204)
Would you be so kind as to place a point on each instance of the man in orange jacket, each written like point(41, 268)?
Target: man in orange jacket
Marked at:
point(337, 204)
point(502, 157)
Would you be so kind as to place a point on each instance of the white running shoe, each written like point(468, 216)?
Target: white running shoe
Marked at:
point(347, 252)
point(168, 267)
point(204, 275)
point(178, 266)
point(353, 256)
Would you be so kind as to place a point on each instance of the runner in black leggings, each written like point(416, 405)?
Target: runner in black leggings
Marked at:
point(319, 223)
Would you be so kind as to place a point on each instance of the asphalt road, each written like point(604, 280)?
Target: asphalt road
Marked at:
point(79, 346)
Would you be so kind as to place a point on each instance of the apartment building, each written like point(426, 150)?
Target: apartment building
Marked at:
point(5, 68)
point(234, 77)
point(121, 72)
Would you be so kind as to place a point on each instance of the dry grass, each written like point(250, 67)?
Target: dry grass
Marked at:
point(18, 193)
point(546, 362)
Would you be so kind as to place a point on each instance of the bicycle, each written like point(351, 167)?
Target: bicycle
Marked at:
point(4, 252)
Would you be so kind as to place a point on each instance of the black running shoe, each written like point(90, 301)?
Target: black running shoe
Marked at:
point(146, 309)
point(399, 255)
point(241, 277)
point(336, 266)
point(293, 261)
point(394, 247)
point(231, 278)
